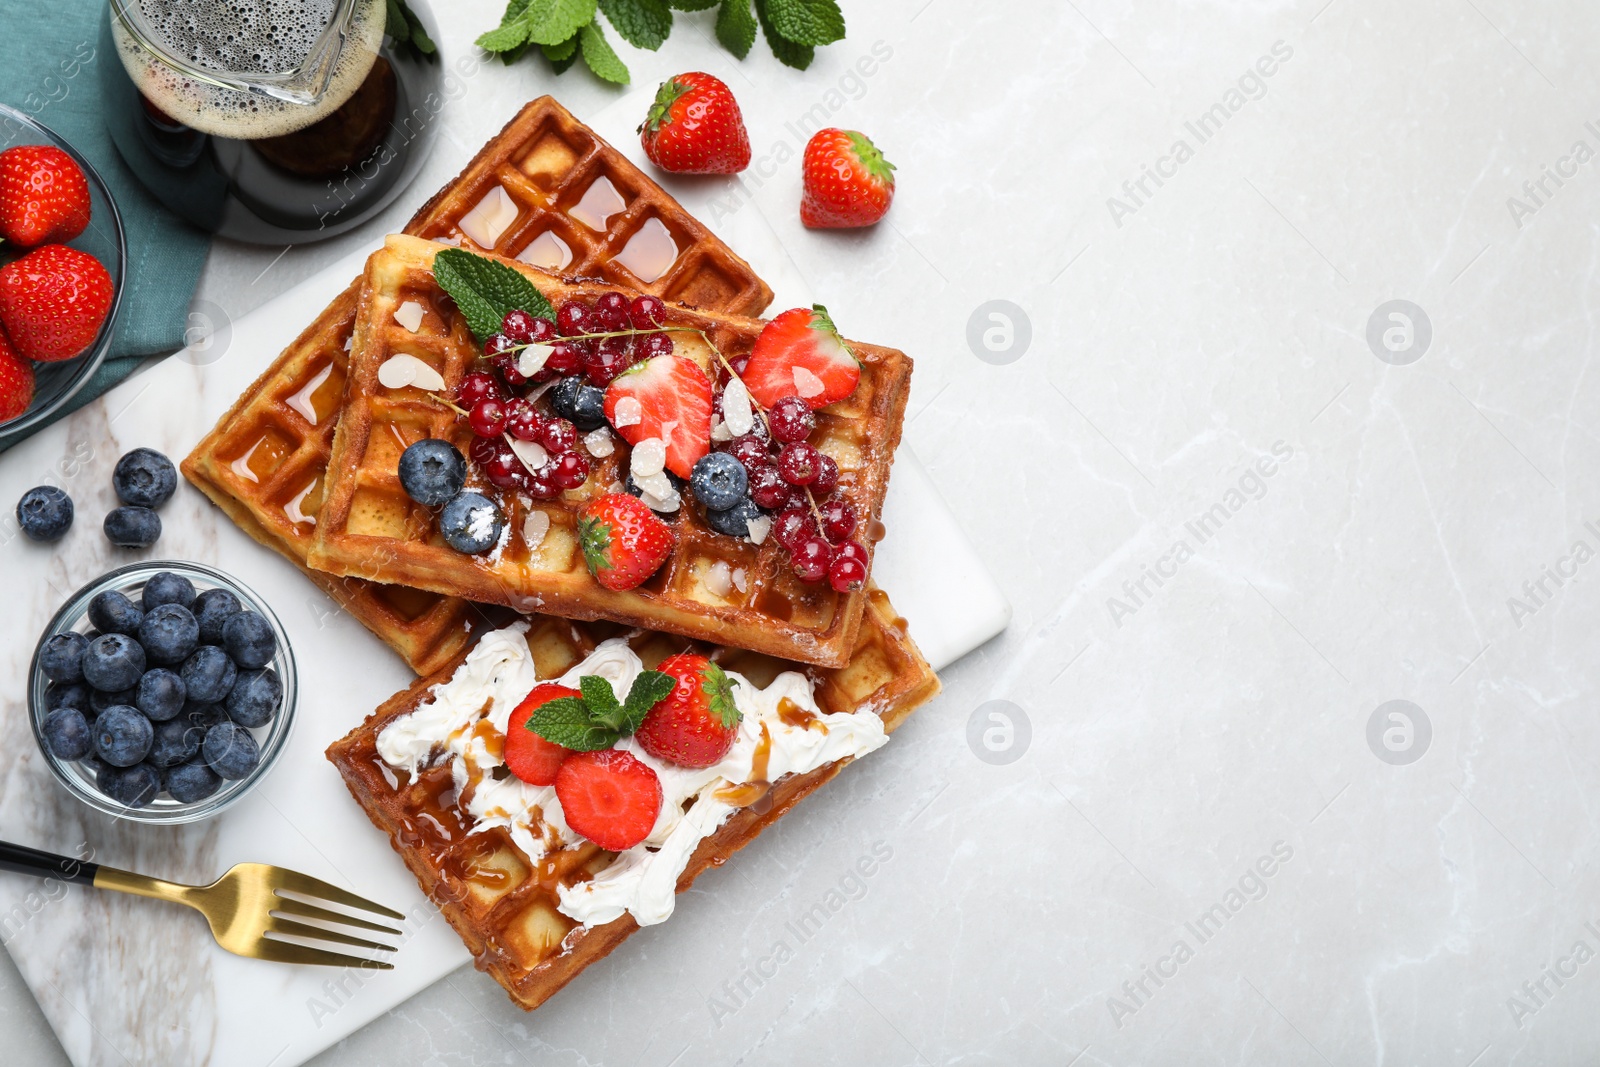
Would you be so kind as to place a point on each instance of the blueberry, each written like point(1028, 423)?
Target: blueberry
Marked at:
point(432, 471)
point(144, 478)
point(67, 695)
point(167, 588)
point(192, 781)
point(204, 716)
point(113, 662)
point(160, 695)
point(734, 521)
point(132, 527)
point(122, 735)
point(175, 742)
point(169, 634)
point(44, 513)
point(61, 658)
point(632, 487)
point(132, 787)
point(92, 765)
point(249, 640)
point(113, 613)
point(208, 674)
point(99, 701)
point(255, 698)
point(230, 750)
point(67, 734)
point(212, 609)
point(471, 523)
point(580, 403)
point(719, 481)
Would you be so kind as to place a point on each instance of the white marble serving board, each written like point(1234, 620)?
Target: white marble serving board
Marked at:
point(124, 980)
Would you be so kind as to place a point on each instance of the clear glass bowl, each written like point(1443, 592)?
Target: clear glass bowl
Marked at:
point(57, 383)
point(272, 738)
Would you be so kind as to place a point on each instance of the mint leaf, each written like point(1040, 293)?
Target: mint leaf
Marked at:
point(790, 54)
point(601, 700)
point(719, 694)
point(692, 5)
point(505, 38)
point(395, 24)
point(648, 690)
point(598, 55)
point(642, 23)
point(565, 51)
point(553, 21)
point(807, 22)
point(567, 721)
point(736, 27)
point(485, 290)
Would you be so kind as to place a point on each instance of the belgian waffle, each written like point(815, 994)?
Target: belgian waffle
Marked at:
point(264, 463)
point(367, 516)
point(501, 903)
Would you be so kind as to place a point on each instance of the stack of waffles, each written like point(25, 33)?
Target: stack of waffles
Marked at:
point(305, 462)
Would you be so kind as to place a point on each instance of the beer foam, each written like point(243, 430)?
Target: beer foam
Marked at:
point(242, 39)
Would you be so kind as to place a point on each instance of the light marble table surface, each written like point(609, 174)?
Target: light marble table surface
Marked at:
point(1241, 502)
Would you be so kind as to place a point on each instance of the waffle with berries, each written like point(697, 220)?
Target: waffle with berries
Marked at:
point(264, 463)
point(746, 591)
point(503, 905)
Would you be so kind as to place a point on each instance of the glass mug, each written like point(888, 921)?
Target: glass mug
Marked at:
point(271, 121)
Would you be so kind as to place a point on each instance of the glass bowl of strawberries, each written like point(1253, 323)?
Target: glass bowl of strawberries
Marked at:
point(62, 263)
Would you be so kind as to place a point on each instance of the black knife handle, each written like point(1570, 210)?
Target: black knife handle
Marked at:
point(21, 860)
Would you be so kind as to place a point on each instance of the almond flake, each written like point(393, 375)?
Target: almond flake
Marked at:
point(629, 412)
point(736, 407)
point(532, 359)
point(531, 453)
point(720, 431)
point(534, 528)
point(669, 503)
point(807, 384)
point(656, 485)
point(741, 580)
point(759, 528)
point(400, 371)
point(409, 315)
point(649, 458)
point(719, 578)
point(599, 443)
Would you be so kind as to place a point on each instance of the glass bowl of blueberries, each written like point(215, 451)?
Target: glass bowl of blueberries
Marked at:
point(162, 692)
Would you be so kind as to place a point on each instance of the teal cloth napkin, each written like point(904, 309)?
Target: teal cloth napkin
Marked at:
point(51, 57)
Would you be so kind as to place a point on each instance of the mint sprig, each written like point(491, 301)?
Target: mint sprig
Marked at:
point(406, 30)
point(485, 290)
point(564, 30)
point(596, 720)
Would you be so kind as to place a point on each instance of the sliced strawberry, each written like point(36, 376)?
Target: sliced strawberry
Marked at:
point(800, 353)
point(698, 721)
point(531, 757)
point(674, 398)
point(16, 382)
point(52, 302)
point(622, 540)
point(610, 797)
point(43, 195)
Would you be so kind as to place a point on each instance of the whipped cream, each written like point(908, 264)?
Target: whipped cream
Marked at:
point(782, 731)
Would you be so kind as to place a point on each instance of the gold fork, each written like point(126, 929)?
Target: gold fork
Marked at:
point(244, 907)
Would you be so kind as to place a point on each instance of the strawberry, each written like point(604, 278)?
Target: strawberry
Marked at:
point(43, 195)
point(697, 723)
point(16, 382)
point(609, 796)
point(674, 398)
point(694, 127)
point(531, 757)
point(800, 353)
point(847, 181)
point(53, 301)
point(623, 542)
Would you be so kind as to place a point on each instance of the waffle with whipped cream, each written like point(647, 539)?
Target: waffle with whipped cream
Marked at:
point(547, 190)
point(713, 587)
point(534, 902)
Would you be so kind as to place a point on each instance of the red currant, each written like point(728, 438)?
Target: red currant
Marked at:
point(522, 421)
point(484, 449)
point(564, 358)
point(739, 363)
point(487, 418)
point(798, 463)
point(827, 476)
point(517, 325)
point(847, 575)
point(505, 470)
point(791, 419)
point(611, 311)
point(571, 469)
point(477, 386)
point(559, 436)
point(572, 318)
point(751, 451)
point(506, 364)
point(838, 520)
point(540, 487)
point(767, 487)
point(609, 358)
point(496, 344)
point(811, 559)
point(653, 344)
point(851, 550)
point(647, 312)
point(543, 331)
point(793, 526)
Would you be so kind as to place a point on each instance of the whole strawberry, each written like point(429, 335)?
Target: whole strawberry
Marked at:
point(698, 721)
point(53, 301)
point(16, 382)
point(43, 195)
point(622, 540)
point(694, 127)
point(847, 181)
